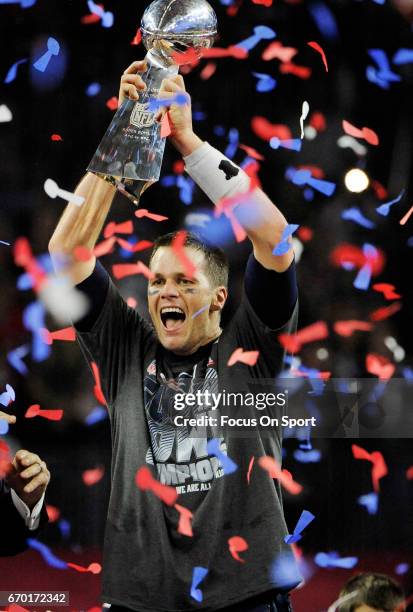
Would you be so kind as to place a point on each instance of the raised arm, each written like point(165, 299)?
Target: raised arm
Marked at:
point(220, 178)
point(81, 225)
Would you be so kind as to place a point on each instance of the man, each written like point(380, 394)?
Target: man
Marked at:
point(148, 561)
point(21, 499)
point(371, 593)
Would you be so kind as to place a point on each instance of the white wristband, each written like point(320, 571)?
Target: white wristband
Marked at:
point(215, 174)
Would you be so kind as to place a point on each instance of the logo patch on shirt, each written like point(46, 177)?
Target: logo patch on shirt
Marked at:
point(151, 369)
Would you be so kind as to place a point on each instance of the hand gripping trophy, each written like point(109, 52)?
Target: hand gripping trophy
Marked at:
point(130, 154)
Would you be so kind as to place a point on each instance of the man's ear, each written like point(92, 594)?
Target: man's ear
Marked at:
point(219, 299)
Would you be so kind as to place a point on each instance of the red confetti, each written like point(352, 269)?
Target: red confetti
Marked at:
point(379, 468)
point(137, 38)
point(94, 568)
point(165, 126)
point(302, 72)
point(236, 545)
point(97, 389)
point(185, 516)
point(380, 191)
point(143, 212)
point(117, 228)
point(178, 166)
point(178, 248)
point(92, 18)
point(16, 608)
point(318, 122)
point(379, 366)
point(104, 247)
point(266, 3)
point(317, 47)
point(311, 333)
point(145, 481)
point(406, 217)
point(366, 133)
point(56, 137)
point(266, 130)
point(190, 56)
point(231, 51)
point(347, 328)
point(251, 152)
point(208, 70)
point(316, 171)
point(82, 253)
point(112, 103)
point(273, 468)
point(134, 248)
point(122, 270)
point(384, 313)
point(348, 253)
point(132, 302)
point(23, 257)
point(67, 333)
point(53, 513)
point(91, 477)
point(251, 463)
point(305, 233)
point(239, 232)
point(241, 356)
point(50, 415)
point(409, 473)
point(387, 290)
point(276, 50)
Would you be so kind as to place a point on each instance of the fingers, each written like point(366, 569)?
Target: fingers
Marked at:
point(130, 84)
point(138, 66)
point(41, 480)
point(25, 459)
point(174, 85)
point(10, 418)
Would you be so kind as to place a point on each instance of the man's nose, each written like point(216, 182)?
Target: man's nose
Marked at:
point(170, 289)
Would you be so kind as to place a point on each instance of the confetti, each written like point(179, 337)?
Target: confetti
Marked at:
point(387, 289)
point(355, 214)
point(384, 313)
point(366, 133)
point(23, 3)
point(112, 103)
point(379, 366)
point(5, 116)
point(50, 415)
point(303, 177)
point(198, 575)
point(302, 72)
point(137, 39)
point(352, 143)
point(370, 501)
point(406, 217)
point(67, 334)
point(307, 456)
point(53, 48)
point(250, 466)
point(276, 50)
point(266, 130)
point(97, 389)
point(93, 89)
point(317, 47)
point(156, 104)
point(47, 554)
point(4, 427)
point(293, 144)
point(259, 33)
point(145, 481)
point(274, 470)
point(240, 356)
point(97, 415)
point(52, 189)
point(234, 51)
point(214, 448)
point(34, 321)
point(117, 228)
point(284, 245)
point(384, 75)
point(93, 568)
point(208, 70)
point(184, 524)
point(178, 248)
point(311, 333)
point(8, 397)
point(236, 544)
point(142, 245)
point(384, 209)
point(334, 560)
point(304, 113)
point(324, 19)
point(12, 72)
point(304, 520)
point(403, 56)
point(91, 477)
point(200, 311)
point(379, 467)
point(265, 82)
point(106, 17)
point(15, 358)
point(347, 328)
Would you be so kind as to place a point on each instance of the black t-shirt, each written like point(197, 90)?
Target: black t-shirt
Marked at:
point(148, 564)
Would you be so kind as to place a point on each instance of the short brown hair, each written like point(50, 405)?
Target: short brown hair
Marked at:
point(375, 590)
point(216, 262)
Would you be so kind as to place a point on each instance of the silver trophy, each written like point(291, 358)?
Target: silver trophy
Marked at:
point(130, 154)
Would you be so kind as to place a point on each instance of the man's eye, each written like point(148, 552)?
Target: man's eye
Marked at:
point(186, 281)
point(157, 282)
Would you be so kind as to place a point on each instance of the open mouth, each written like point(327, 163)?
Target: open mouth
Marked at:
point(172, 317)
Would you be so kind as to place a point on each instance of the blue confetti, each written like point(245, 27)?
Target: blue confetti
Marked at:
point(65, 528)
point(97, 415)
point(53, 48)
point(260, 33)
point(284, 246)
point(198, 574)
point(372, 75)
point(34, 321)
point(186, 189)
point(284, 571)
point(355, 214)
point(312, 456)
point(8, 396)
point(23, 3)
point(265, 82)
point(15, 359)
point(324, 20)
point(403, 56)
point(4, 427)
point(156, 104)
point(200, 311)
point(384, 209)
point(12, 72)
point(47, 554)
point(305, 519)
point(214, 448)
point(93, 89)
point(106, 17)
point(303, 177)
point(402, 568)
point(370, 501)
point(385, 73)
point(334, 560)
point(233, 137)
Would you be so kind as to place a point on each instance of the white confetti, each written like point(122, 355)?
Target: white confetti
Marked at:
point(5, 114)
point(304, 112)
point(52, 189)
point(352, 143)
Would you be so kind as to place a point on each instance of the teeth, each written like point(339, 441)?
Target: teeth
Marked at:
point(171, 309)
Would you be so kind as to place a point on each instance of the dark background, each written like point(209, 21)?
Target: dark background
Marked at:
point(56, 103)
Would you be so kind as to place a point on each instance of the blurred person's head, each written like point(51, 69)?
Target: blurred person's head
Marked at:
point(187, 293)
point(372, 593)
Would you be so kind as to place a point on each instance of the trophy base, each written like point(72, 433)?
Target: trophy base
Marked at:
point(132, 189)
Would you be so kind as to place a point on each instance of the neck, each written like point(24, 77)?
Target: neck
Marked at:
point(200, 344)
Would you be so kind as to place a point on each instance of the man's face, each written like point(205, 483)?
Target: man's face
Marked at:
point(174, 298)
